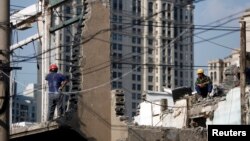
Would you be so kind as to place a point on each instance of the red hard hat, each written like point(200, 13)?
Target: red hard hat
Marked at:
point(53, 67)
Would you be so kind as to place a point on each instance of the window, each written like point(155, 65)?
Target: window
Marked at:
point(169, 33)
point(175, 13)
point(119, 74)
point(133, 114)
point(164, 41)
point(120, 47)
point(134, 6)
point(150, 51)
point(67, 58)
point(114, 74)
point(211, 75)
point(138, 78)
point(114, 65)
point(150, 7)
point(150, 87)
point(133, 86)
point(114, 37)
point(119, 55)
point(181, 14)
point(133, 49)
point(114, 27)
point(169, 7)
point(176, 82)
point(139, 6)
point(119, 37)
point(150, 69)
point(67, 49)
point(134, 58)
point(150, 41)
point(181, 48)
point(133, 105)
point(133, 39)
point(120, 5)
point(119, 66)
point(115, 4)
point(114, 46)
point(67, 68)
point(114, 84)
point(138, 50)
point(163, 60)
point(181, 74)
point(150, 60)
point(139, 96)
point(134, 30)
point(163, 32)
point(119, 84)
point(134, 22)
point(33, 115)
point(138, 68)
point(163, 6)
point(78, 10)
point(78, 1)
point(133, 77)
point(150, 27)
point(138, 87)
point(120, 28)
point(133, 96)
point(67, 18)
point(114, 18)
point(138, 40)
point(150, 78)
point(67, 10)
point(120, 19)
point(67, 39)
point(139, 30)
point(181, 83)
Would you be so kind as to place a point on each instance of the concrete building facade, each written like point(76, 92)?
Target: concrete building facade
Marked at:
point(153, 41)
point(59, 42)
point(134, 45)
point(24, 107)
point(216, 68)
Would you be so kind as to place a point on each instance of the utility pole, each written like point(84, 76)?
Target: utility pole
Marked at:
point(4, 69)
point(242, 71)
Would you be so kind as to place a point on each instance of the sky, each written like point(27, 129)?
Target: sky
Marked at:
point(28, 74)
point(211, 10)
point(205, 12)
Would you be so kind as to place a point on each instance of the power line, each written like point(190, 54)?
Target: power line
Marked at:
point(215, 43)
point(18, 6)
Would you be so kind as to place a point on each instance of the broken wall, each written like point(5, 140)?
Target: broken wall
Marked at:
point(166, 134)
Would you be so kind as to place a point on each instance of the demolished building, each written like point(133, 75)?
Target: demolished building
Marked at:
point(186, 109)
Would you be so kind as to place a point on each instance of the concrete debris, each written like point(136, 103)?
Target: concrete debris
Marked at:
point(200, 131)
point(166, 134)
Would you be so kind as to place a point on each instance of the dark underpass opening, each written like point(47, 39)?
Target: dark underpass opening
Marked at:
point(54, 135)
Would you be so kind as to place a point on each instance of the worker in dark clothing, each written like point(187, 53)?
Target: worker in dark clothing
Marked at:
point(203, 84)
point(56, 82)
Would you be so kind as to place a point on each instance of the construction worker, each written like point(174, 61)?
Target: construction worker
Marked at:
point(203, 84)
point(56, 82)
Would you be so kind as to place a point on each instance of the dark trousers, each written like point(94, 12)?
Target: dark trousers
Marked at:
point(55, 100)
point(205, 90)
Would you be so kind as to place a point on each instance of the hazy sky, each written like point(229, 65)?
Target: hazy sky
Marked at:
point(205, 12)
